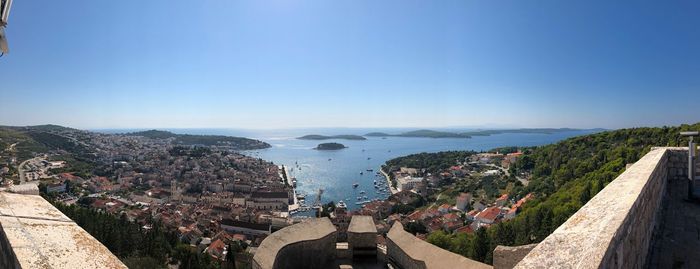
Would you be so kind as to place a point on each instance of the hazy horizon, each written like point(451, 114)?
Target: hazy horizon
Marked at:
point(358, 64)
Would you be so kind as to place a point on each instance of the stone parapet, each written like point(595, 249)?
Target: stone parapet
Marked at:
point(34, 234)
point(408, 252)
point(362, 236)
point(614, 229)
point(505, 257)
point(310, 244)
point(677, 162)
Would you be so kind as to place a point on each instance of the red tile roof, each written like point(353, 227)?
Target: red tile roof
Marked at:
point(416, 215)
point(490, 213)
point(451, 217)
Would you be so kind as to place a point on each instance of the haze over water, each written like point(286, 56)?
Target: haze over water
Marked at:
point(335, 171)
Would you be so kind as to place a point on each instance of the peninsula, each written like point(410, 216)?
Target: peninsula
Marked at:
point(330, 146)
point(326, 137)
point(232, 142)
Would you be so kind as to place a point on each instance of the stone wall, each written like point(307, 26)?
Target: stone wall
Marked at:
point(34, 234)
point(7, 256)
point(310, 244)
point(505, 257)
point(677, 163)
point(318, 253)
point(614, 229)
point(408, 252)
point(362, 236)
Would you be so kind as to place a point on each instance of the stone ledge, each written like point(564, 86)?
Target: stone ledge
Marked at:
point(614, 228)
point(410, 252)
point(37, 235)
point(362, 224)
point(302, 235)
point(506, 257)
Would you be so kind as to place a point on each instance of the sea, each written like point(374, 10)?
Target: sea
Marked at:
point(335, 171)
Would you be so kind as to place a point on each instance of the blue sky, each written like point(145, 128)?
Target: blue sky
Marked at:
point(284, 64)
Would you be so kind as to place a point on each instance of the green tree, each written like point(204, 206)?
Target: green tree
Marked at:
point(600, 184)
point(585, 193)
point(440, 239)
point(481, 245)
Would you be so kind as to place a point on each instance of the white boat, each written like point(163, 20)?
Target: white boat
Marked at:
point(363, 202)
point(341, 204)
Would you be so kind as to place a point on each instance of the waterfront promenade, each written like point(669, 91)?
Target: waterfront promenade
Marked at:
point(388, 181)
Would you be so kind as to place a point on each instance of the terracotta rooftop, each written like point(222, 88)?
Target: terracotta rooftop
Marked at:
point(490, 213)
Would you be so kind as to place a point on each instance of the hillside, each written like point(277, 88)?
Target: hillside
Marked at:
point(431, 162)
point(445, 134)
point(526, 131)
point(31, 140)
point(377, 134)
point(421, 133)
point(237, 143)
point(326, 137)
point(433, 134)
point(565, 176)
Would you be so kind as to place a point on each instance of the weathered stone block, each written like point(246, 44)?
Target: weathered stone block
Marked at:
point(505, 257)
point(620, 237)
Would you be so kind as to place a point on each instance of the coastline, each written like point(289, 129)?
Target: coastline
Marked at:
point(388, 181)
point(347, 163)
point(293, 207)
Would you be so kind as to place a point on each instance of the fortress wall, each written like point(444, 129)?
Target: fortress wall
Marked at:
point(614, 229)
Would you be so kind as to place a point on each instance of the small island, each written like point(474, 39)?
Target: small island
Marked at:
point(330, 146)
point(325, 137)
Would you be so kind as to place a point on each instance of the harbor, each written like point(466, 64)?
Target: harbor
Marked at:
point(342, 174)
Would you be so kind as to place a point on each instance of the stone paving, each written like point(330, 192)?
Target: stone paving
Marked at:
point(677, 245)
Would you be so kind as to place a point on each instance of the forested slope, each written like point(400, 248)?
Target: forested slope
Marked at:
point(565, 176)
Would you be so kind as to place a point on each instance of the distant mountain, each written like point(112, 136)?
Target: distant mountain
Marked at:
point(330, 146)
point(325, 137)
point(444, 134)
point(237, 143)
point(421, 133)
point(377, 134)
point(155, 134)
point(521, 131)
point(433, 134)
